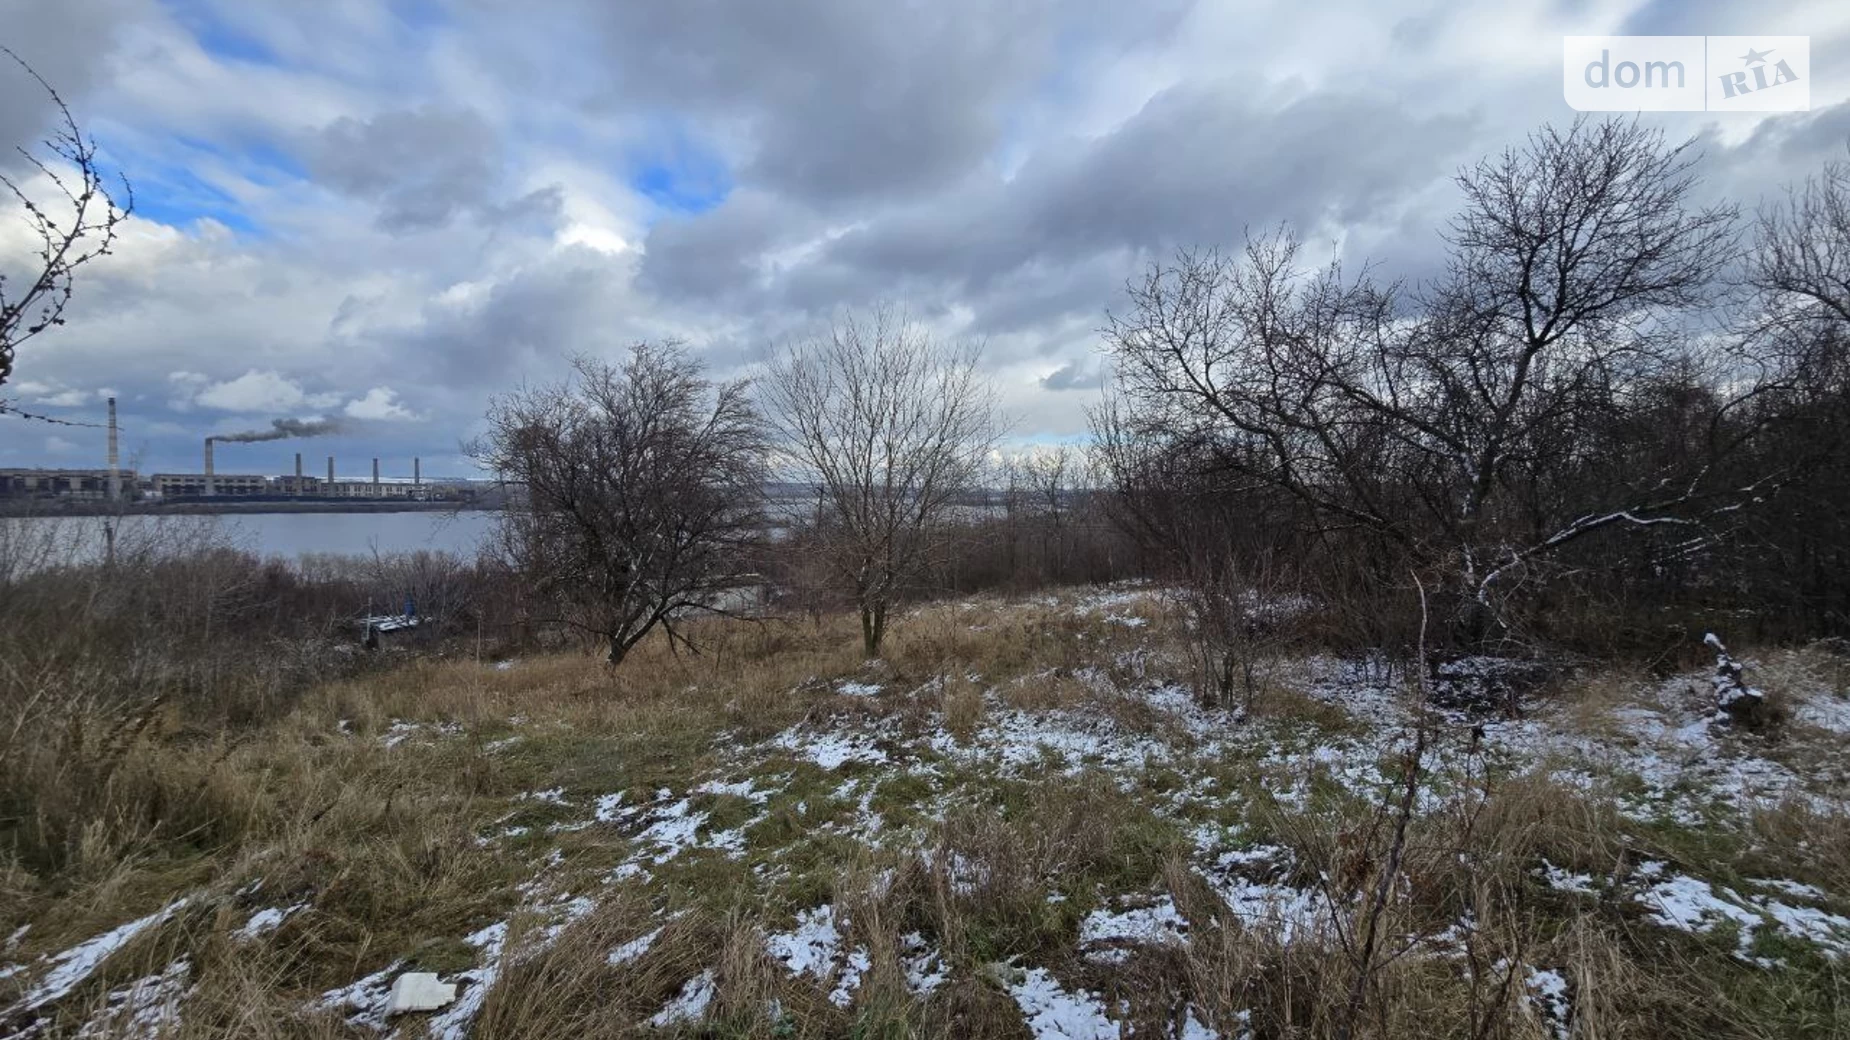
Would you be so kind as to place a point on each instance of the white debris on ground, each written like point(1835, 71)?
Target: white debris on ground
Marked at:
point(690, 1005)
point(473, 985)
point(1054, 1013)
point(850, 688)
point(368, 1001)
point(147, 1007)
point(364, 1002)
point(418, 991)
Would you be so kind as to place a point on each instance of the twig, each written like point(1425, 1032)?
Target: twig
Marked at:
point(1365, 966)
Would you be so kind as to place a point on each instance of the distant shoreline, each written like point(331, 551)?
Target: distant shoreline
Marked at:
point(242, 508)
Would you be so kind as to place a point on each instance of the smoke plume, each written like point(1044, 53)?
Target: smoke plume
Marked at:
point(283, 429)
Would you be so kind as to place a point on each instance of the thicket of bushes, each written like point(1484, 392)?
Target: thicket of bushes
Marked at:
point(176, 635)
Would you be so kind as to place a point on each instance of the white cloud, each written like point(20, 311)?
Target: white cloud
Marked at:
point(381, 402)
point(56, 445)
point(65, 398)
point(265, 391)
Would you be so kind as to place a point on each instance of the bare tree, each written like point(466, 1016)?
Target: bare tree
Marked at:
point(72, 214)
point(1475, 426)
point(642, 485)
point(890, 427)
point(1040, 489)
point(1802, 261)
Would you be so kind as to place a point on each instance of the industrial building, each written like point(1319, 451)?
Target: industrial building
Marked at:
point(60, 483)
point(95, 484)
point(114, 483)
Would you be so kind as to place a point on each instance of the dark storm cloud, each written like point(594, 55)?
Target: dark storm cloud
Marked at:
point(525, 325)
point(715, 255)
point(1194, 167)
point(845, 99)
point(423, 167)
point(69, 43)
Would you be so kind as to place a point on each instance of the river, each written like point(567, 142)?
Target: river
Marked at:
point(286, 536)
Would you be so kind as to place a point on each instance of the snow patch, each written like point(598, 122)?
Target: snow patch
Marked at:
point(831, 750)
point(265, 921)
point(1106, 933)
point(70, 968)
point(148, 1007)
point(922, 963)
point(1692, 905)
point(1053, 1013)
point(690, 1005)
point(1566, 880)
point(858, 965)
point(1547, 992)
point(633, 949)
point(810, 949)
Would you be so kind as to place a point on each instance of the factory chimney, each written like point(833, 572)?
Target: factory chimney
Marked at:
point(375, 476)
point(298, 471)
point(330, 469)
point(115, 467)
point(209, 489)
point(417, 471)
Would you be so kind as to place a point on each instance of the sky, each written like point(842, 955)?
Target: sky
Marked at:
point(387, 211)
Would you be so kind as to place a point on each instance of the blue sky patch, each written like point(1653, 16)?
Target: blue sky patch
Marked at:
point(218, 36)
point(680, 174)
point(175, 196)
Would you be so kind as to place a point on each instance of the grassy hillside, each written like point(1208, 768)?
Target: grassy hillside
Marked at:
point(1018, 823)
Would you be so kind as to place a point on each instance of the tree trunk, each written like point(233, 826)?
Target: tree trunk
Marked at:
point(873, 627)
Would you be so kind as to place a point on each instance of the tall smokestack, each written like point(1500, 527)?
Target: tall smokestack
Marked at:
point(375, 476)
point(417, 470)
point(298, 471)
point(330, 469)
point(209, 489)
point(115, 469)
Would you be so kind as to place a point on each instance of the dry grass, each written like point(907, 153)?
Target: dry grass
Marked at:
point(962, 704)
point(402, 850)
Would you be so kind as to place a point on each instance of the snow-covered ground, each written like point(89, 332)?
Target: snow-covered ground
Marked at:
point(1660, 758)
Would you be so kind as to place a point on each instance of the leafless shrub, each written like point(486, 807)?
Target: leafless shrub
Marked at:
point(75, 218)
point(1482, 429)
point(891, 428)
point(639, 491)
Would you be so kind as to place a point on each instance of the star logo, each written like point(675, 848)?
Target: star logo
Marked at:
point(1754, 57)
